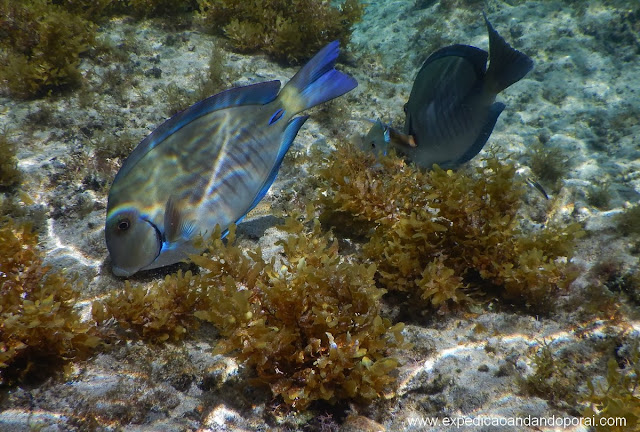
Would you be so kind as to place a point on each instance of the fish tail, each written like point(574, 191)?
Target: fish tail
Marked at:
point(507, 65)
point(316, 82)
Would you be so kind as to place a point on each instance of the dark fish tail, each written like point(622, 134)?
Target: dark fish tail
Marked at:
point(317, 81)
point(507, 65)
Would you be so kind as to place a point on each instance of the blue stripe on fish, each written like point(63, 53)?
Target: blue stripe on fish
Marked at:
point(277, 116)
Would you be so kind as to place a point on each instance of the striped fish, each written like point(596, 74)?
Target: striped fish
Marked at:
point(209, 165)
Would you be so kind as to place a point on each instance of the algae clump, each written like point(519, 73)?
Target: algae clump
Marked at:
point(40, 47)
point(161, 312)
point(9, 173)
point(309, 325)
point(157, 8)
point(442, 235)
point(290, 31)
point(628, 221)
point(549, 164)
point(560, 378)
point(619, 398)
point(41, 41)
point(39, 328)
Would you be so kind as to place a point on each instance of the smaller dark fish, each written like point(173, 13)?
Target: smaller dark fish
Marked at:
point(537, 186)
point(380, 137)
point(451, 111)
point(377, 139)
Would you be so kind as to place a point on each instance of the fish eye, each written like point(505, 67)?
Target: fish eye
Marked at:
point(124, 224)
point(373, 144)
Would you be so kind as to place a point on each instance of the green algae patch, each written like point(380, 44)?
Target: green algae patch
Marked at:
point(158, 7)
point(39, 327)
point(628, 221)
point(442, 235)
point(564, 377)
point(287, 30)
point(41, 41)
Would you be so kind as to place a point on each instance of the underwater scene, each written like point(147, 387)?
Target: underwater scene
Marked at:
point(313, 215)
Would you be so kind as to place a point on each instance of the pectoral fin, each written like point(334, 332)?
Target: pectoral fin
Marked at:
point(400, 139)
point(176, 228)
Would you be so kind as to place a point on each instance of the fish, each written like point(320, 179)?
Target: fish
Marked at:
point(537, 186)
point(452, 108)
point(210, 165)
point(379, 138)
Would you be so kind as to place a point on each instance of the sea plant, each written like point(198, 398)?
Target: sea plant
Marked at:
point(553, 378)
point(310, 325)
point(160, 312)
point(566, 382)
point(40, 46)
point(93, 10)
point(156, 7)
point(9, 172)
point(40, 329)
point(599, 196)
point(628, 221)
point(443, 234)
point(618, 399)
point(287, 30)
point(549, 164)
point(97, 10)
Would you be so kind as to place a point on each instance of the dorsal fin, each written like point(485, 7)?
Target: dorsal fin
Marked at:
point(254, 94)
point(476, 56)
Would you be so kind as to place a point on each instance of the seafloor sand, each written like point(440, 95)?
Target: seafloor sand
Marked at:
point(582, 98)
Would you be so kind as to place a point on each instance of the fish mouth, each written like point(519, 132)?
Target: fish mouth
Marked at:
point(120, 272)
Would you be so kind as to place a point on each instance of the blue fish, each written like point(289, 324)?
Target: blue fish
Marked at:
point(451, 110)
point(209, 165)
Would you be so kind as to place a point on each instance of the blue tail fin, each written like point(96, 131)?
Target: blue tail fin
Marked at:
point(317, 81)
